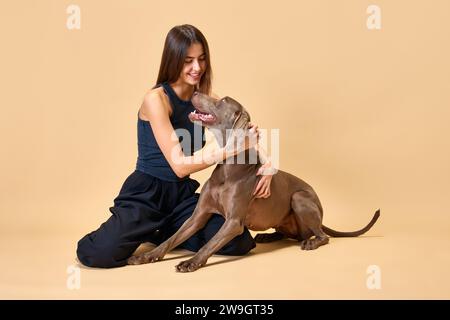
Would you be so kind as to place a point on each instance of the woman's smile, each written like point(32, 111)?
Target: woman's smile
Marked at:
point(194, 76)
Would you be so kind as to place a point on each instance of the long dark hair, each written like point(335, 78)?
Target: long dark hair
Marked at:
point(178, 40)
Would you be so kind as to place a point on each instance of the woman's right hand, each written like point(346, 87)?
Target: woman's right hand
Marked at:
point(241, 140)
point(253, 134)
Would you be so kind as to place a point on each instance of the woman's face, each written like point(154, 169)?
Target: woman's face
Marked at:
point(194, 64)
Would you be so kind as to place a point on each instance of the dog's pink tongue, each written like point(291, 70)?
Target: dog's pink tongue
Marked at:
point(194, 116)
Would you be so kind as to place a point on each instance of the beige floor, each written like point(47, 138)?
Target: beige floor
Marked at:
point(412, 267)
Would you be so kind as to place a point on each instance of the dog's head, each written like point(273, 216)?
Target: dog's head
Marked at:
point(219, 114)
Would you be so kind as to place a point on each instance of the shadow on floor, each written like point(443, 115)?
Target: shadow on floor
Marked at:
point(261, 248)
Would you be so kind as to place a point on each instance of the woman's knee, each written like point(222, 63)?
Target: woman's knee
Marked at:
point(100, 255)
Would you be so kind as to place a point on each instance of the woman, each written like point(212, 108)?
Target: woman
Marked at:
point(159, 196)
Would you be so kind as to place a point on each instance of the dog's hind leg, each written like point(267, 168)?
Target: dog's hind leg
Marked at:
point(309, 220)
point(269, 237)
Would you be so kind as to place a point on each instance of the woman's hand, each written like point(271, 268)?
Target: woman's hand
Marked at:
point(267, 171)
point(241, 140)
point(263, 187)
point(253, 136)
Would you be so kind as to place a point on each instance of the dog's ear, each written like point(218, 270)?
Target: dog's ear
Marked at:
point(238, 135)
point(243, 120)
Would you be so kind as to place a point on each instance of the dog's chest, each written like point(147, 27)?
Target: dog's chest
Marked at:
point(261, 215)
point(228, 196)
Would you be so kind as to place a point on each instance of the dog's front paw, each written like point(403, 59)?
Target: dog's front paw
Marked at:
point(148, 257)
point(189, 265)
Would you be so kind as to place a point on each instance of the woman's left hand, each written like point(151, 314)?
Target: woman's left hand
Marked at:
point(263, 188)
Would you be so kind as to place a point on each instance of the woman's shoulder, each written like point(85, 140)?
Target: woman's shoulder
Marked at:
point(154, 98)
point(154, 94)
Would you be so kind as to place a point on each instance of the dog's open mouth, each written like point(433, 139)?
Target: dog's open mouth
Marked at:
point(204, 117)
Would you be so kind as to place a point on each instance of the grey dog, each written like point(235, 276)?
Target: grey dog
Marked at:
point(293, 209)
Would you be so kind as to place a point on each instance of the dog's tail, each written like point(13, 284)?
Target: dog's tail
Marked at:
point(336, 234)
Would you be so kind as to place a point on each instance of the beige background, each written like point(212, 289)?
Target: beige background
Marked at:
point(363, 117)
